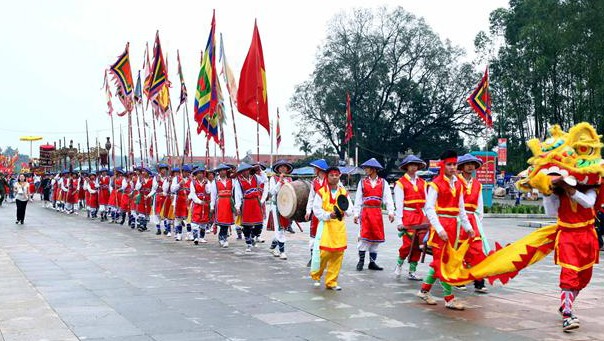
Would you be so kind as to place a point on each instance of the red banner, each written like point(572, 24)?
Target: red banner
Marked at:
point(502, 151)
point(486, 173)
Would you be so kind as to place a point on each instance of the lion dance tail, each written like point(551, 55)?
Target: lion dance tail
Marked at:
point(502, 264)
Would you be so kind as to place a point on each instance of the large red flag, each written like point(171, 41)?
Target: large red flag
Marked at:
point(251, 96)
point(349, 132)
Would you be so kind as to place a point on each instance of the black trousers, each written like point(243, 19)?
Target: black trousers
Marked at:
point(21, 206)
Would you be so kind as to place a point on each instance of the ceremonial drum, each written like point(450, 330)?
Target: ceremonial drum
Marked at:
point(292, 199)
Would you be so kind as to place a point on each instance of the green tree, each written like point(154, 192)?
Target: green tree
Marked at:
point(407, 87)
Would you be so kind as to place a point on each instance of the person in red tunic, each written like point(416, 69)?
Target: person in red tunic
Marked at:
point(134, 179)
point(159, 193)
point(114, 195)
point(576, 242)
point(82, 191)
point(143, 204)
point(372, 193)
point(467, 164)
point(92, 201)
point(247, 203)
point(32, 186)
point(282, 170)
point(125, 191)
point(103, 183)
point(409, 200)
point(72, 192)
point(179, 188)
point(319, 166)
point(222, 204)
point(200, 194)
point(445, 209)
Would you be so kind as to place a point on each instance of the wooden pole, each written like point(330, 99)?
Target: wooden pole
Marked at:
point(155, 138)
point(140, 140)
point(113, 139)
point(88, 148)
point(234, 130)
point(189, 135)
point(146, 153)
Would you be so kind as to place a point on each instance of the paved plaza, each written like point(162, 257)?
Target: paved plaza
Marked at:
point(66, 278)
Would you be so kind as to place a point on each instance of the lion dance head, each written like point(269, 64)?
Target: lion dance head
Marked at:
point(573, 155)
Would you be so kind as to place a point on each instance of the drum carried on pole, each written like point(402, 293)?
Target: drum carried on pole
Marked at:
point(292, 199)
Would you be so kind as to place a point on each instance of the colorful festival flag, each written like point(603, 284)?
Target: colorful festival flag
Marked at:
point(183, 87)
point(159, 72)
point(206, 96)
point(122, 74)
point(108, 95)
point(349, 132)
point(480, 100)
point(147, 68)
point(138, 92)
point(252, 98)
point(227, 74)
point(278, 131)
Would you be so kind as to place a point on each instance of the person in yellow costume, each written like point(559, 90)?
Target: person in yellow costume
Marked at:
point(330, 240)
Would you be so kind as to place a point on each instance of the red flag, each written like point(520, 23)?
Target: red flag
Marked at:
point(278, 131)
point(252, 98)
point(480, 100)
point(349, 133)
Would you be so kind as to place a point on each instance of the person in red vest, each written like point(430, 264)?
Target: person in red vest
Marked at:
point(247, 203)
point(124, 192)
point(179, 188)
point(576, 242)
point(92, 201)
point(599, 208)
point(73, 193)
point(222, 204)
point(201, 196)
point(409, 200)
point(83, 192)
point(282, 170)
point(134, 177)
point(159, 193)
point(372, 193)
point(445, 209)
point(114, 195)
point(143, 204)
point(103, 182)
point(319, 167)
point(467, 164)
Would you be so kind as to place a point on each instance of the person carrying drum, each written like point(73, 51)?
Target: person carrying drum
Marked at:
point(247, 203)
point(222, 204)
point(372, 193)
point(319, 166)
point(282, 170)
point(330, 240)
point(409, 200)
point(159, 193)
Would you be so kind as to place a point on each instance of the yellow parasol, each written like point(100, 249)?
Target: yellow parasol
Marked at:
point(30, 139)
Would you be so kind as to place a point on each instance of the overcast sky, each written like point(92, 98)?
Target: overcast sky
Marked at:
point(53, 55)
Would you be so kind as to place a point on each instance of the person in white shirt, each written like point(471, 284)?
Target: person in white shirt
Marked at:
point(282, 170)
point(372, 193)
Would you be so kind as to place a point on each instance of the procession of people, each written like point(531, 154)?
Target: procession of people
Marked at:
point(189, 202)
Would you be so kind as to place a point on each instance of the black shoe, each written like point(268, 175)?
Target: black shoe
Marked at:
point(570, 323)
point(374, 266)
point(360, 265)
point(158, 233)
point(196, 242)
point(165, 232)
point(290, 230)
point(17, 222)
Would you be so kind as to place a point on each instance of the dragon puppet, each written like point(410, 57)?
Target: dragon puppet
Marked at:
point(573, 157)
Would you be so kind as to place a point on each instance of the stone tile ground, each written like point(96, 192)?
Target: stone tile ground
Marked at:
point(65, 278)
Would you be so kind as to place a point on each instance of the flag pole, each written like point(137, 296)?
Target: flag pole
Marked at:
point(234, 129)
point(140, 140)
point(121, 148)
point(272, 135)
point(88, 148)
point(146, 153)
point(113, 139)
point(174, 131)
point(189, 135)
point(155, 138)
